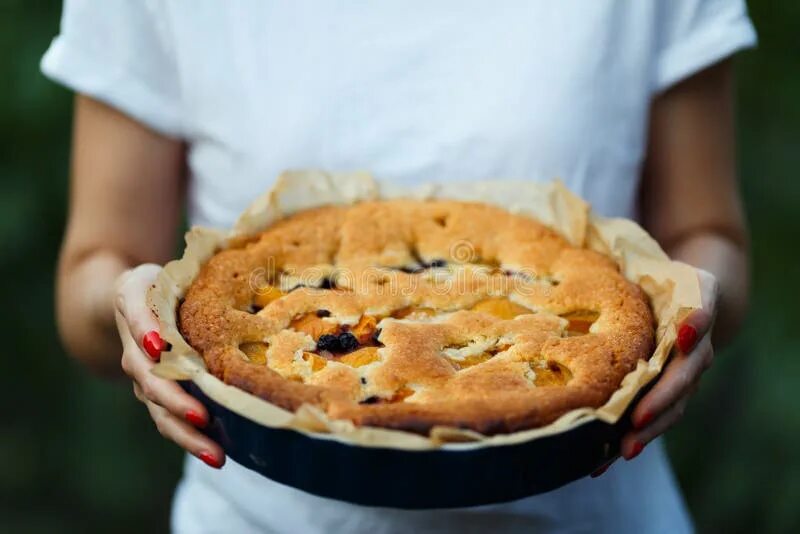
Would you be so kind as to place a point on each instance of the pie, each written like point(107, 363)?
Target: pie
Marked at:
point(411, 314)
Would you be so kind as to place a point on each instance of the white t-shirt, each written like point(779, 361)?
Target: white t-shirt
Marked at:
point(415, 91)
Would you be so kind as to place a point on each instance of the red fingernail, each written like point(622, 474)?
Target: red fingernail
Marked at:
point(644, 421)
point(195, 418)
point(601, 470)
point(636, 449)
point(153, 345)
point(687, 336)
point(210, 459)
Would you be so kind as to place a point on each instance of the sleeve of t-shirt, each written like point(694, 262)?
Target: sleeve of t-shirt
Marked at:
point(119, 52)
point(695, 34)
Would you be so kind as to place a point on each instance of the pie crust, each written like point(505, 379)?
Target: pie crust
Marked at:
point(414, 314)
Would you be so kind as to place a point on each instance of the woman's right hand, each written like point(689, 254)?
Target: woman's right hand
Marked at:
point(177, 414)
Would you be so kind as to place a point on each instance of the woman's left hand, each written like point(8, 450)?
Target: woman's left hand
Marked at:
point(664, 405)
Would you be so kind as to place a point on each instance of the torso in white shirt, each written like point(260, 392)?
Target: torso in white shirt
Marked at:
point(414, 91)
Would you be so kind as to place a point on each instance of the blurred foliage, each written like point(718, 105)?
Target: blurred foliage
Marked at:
point(80, 454)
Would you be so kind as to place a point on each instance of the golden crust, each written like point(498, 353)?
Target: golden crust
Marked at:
point(474, 317)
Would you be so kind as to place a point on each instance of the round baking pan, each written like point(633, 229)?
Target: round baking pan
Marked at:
point(440, 478)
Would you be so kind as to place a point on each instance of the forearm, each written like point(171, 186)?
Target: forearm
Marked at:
point(125, 203)
point(690, 198)
point(85, 311)
point(728, 262)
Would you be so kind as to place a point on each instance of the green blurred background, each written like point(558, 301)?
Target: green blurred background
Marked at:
point(80, 454)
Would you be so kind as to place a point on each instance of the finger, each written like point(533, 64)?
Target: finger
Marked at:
point(138, 393)
point(676, 380)
point(138, 329)
point(698, 322)
point(634, 442)
point(603, 468)
point(165, 393)
point(186, 436)
point(147, 386)
point(131, 302)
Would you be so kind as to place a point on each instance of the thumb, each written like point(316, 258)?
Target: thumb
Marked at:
point(131, 302)
point(698, 322)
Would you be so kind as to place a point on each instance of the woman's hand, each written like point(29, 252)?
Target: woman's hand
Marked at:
point(177, 414)
point(664, 405)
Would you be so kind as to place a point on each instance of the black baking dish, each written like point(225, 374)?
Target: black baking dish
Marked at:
point(438, 478)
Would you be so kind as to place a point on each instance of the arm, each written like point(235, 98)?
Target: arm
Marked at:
point(124, 208)
point(690, 196)
point(125, 191)
point(691, 205)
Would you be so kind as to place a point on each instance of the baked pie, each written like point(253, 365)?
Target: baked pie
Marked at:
point(410, 314)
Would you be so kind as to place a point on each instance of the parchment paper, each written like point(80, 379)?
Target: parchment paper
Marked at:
point(673, 288)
